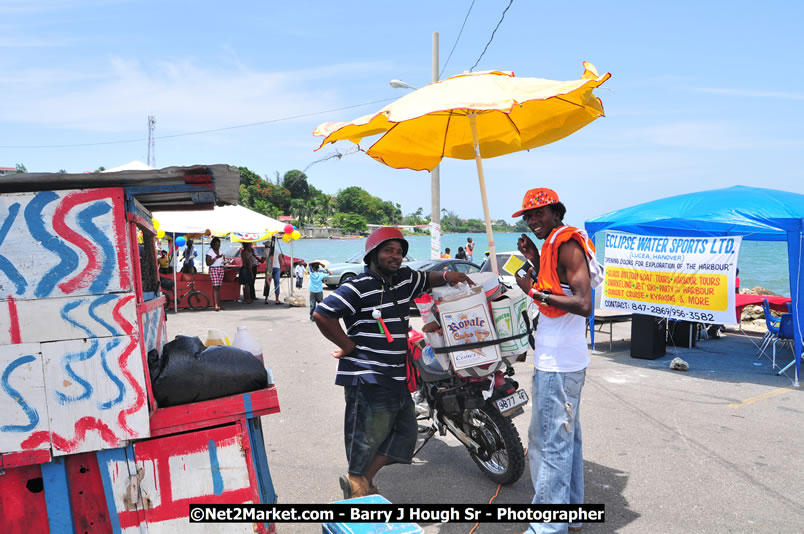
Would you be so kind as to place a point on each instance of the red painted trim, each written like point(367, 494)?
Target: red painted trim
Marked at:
point(14, 329)
point(85, 277)
point(179, 509)
point(135, 260)
point(82, 426)
point(197, 179)
point(122, 360)
point(216, 411)
point(87, 496)
point(158, 453)
point(149, 305)
point(245, 443)
point(22, 458)
point(21, 510)
point(142, 221)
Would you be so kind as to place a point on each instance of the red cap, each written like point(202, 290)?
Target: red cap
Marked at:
point(381, 235)
point(536, 198)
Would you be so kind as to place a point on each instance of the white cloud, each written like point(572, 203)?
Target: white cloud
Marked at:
point(751, 93)
point(184, 95)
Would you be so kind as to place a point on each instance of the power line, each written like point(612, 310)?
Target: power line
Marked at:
point(492, 36)
point(269, 121)
point(440, 74)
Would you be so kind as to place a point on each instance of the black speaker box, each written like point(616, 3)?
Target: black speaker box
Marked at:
point(682, 334)
point(648, 337)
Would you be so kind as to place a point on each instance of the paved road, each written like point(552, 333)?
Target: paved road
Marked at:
point(715, 449)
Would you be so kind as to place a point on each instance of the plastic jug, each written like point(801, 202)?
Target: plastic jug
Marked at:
point(244, 340)
point(216, 337)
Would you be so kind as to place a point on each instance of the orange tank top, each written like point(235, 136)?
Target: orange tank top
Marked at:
point(548, 263)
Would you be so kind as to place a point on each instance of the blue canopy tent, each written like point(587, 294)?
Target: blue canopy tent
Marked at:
point(753, 213)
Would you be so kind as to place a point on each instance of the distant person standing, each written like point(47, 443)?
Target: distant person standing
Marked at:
point(267, 259)
point(188, 260)
point(299, 270)
point(164, 262)
point(470, 249)
point(446, 254)
point(273, 261)
point(246, 273)
point(215, 263)
point(316, 286)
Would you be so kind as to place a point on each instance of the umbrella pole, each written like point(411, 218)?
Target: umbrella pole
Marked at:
point(481, 178)
point(175, 275)
point(292, 272)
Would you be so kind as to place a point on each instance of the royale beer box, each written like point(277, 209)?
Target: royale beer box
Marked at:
point(508, 321)
point(467, 320)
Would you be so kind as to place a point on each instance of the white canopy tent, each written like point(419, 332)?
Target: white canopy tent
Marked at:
point(131, 166)
point(221, 220)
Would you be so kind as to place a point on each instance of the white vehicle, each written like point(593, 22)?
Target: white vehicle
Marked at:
point(503, 257)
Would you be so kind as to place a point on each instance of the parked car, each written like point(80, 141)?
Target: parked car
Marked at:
point(341, 272)
point(232, 259)
point(502, 258)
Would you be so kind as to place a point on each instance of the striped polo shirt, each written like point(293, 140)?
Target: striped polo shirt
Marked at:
point(374, 360)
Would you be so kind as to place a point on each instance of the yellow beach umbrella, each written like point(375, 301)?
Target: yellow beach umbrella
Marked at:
point(471, 116)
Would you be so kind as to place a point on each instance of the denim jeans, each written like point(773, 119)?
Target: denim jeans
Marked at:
point(315, 299)
point(275, 275)
point(554, 440)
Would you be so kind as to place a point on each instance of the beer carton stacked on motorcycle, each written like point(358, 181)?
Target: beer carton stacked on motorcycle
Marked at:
point(474, 335)
point(494, 324)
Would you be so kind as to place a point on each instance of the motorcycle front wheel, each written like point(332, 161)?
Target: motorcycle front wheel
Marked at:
point(501, 456)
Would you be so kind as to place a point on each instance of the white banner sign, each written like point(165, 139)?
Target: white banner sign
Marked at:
point(684, 278)
point(435, 241)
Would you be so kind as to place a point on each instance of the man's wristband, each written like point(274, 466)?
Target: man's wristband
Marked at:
point(444, 276)
point(532, 293)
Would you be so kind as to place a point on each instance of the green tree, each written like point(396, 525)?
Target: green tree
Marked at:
point(21, 168)
point(353, 200)
point(295, 181)
point(350, 222)
point(248, 177)
point(299, 210)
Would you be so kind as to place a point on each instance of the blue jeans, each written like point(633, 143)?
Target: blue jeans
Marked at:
point(275, 276)
point(554, 442)
point(315, 299)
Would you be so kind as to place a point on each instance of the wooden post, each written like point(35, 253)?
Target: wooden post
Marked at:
point(482, 180)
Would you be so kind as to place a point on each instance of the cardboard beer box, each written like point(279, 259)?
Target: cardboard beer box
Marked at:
point(467, 320)
point(508, 321)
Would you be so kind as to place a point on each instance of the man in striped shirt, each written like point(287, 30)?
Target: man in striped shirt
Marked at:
point(380, 421)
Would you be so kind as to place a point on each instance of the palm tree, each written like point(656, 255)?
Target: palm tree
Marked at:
point(298, 209)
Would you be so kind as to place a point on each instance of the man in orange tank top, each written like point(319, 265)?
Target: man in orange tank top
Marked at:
point(560, 357)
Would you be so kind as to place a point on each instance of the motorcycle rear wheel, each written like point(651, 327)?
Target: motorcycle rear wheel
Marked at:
point(502, 458)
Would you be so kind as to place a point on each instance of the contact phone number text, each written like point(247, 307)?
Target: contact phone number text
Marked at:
point(662, 311)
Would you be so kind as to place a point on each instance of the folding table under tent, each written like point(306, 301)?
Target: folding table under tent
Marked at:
point(753, 213)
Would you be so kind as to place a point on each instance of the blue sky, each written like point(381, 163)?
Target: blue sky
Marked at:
point(703, 94)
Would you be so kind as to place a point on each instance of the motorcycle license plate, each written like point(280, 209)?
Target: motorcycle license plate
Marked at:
point(512, 401)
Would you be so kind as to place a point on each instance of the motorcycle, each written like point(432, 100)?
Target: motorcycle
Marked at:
point(474, 405)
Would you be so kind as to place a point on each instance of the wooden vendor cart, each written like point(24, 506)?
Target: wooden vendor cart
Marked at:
point(84, 447)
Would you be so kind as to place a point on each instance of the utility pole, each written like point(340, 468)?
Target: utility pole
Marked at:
point(151, 146)
point(435, 181)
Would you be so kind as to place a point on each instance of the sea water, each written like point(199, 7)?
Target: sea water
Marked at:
point(761, 263)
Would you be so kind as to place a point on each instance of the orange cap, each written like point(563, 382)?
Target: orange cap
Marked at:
point(536, 198)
